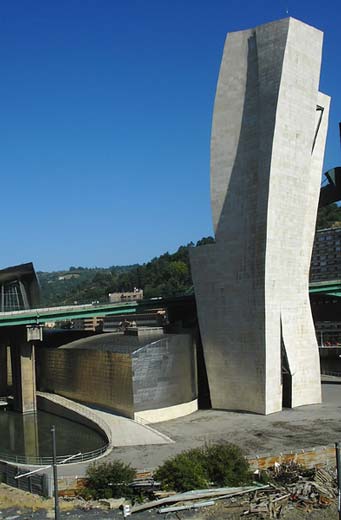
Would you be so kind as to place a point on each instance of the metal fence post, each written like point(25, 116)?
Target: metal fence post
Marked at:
point(338, 469)
point(55, 476)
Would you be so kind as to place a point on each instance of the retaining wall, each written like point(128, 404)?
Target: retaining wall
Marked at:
point(310, 457)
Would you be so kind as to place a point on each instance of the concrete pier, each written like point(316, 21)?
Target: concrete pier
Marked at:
point(3, 371)
point(24, 376)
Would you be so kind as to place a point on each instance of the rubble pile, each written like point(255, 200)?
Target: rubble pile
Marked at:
point(307, 490)
point(280, 488)
point(290, 486)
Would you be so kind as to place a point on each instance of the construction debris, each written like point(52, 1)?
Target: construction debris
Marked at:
point(289, 485)
point(292, 485)
point(198, 494)
point(190, 505)
point(112, 503)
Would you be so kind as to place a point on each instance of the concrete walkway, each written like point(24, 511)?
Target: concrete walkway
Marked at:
point(126, 432)
point(120, 431)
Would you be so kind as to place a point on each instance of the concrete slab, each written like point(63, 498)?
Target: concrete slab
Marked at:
point(290, 429)
point(121, 431)
point(126, 432)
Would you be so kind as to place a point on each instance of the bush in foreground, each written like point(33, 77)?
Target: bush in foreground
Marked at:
point(183, 472)
point(217, 464)
point(226, 465)
point(109, 480)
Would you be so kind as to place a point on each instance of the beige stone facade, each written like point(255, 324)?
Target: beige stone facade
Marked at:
point(267, 146)
point(121, 297)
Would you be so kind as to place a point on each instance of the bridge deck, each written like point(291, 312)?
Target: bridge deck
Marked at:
point(43, 315)
point(70, 312)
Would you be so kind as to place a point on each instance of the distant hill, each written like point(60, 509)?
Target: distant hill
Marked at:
point(166, 275)
point(79, 284)
point(328, 215)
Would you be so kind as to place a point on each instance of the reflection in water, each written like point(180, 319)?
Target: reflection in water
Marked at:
point(29, 435)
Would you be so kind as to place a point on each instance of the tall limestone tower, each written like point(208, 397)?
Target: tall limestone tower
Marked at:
point(251, 286)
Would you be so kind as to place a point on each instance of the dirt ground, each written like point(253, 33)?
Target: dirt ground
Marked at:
point(18, 499)
point(19, 505)
point(219, 512)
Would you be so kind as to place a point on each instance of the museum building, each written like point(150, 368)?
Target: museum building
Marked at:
point(140, 373)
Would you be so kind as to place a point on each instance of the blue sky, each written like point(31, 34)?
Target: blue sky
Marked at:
point(105, 117)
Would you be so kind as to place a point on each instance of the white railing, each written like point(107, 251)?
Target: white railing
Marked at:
point(46, 461)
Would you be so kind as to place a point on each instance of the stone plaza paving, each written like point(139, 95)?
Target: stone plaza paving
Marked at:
point(291, 429)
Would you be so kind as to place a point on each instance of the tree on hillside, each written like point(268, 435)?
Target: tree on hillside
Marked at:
point(205, 240)
point(166, 275)
point(328, 215)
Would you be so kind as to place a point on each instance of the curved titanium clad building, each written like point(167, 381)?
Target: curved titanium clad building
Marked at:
point(142, 374)
point(251, 286)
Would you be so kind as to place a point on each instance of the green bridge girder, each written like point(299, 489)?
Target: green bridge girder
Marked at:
point(328, 288)
point(41, 316)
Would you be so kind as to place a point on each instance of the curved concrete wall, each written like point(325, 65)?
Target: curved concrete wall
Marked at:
point(167, 413)
point(72, 411)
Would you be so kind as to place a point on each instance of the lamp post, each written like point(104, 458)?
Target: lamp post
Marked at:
point(55, 476)
point(338, 468)
point(54, 467)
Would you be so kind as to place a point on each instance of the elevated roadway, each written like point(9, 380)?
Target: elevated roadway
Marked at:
point(43, 315)
point(326, 288)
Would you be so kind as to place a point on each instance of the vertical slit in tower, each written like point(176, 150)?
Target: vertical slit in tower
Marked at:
point(286, 376)
point(318, 109)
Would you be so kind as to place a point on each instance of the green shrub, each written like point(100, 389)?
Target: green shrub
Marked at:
point(107, 493)
point(110, 479)
point(87, 493)
point(217, 464)
point(183, 472)
point(226, 465)
point(264, 477)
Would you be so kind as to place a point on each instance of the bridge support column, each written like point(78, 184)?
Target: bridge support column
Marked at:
point(3, 370)
point(30, 436)
point(24, 377)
